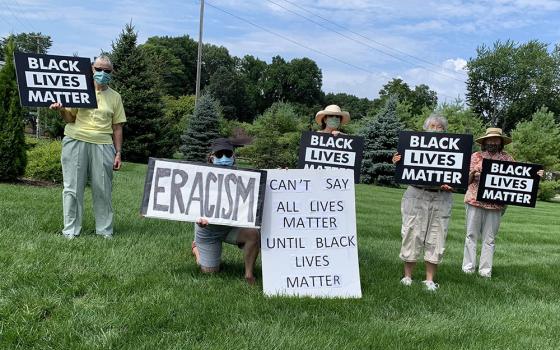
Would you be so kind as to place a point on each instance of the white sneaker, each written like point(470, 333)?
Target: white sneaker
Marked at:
point(485, 274)
point(68, 237)
point(431, 286)
point(468, 272)
point(406, 281)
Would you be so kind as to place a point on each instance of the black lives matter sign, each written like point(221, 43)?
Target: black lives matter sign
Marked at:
point(504, 182)
point(324, 151)
point(434, 159)
point(46, 79)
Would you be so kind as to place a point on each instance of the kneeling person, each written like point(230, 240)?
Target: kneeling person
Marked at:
point(207, 245)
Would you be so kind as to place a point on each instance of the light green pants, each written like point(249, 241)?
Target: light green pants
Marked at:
point(81, 160)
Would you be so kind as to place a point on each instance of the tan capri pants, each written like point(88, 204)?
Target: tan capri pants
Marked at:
point(425, 219)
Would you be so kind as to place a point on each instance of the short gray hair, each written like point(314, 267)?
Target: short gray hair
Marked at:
point(104, 58)
point(438, 118)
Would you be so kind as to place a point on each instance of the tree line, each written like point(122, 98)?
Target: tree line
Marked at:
point(508, 85)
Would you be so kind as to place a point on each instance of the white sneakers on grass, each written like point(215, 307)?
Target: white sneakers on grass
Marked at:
point(431, 286)
point(406, 281)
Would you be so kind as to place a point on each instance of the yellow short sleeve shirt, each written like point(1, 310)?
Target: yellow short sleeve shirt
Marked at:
point(95, 125)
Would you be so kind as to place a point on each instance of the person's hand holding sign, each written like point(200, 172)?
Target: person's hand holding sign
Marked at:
point(396, 158)
point(65, 114)
point(540, 173)
point(202, 222)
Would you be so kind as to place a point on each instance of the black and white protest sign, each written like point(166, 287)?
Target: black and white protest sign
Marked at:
point(46, 79)
point(434, 159)
point(184, 191)
point(308, 236)
point(319, 150)
point(504, 182)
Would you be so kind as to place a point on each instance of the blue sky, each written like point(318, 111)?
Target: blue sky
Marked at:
point(419, 41)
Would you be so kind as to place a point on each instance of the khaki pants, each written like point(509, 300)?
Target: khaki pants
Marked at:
point(483, 223)
point(425, 220)
point(81, 160)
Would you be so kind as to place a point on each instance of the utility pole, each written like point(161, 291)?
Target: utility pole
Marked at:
point(37, 121)
point(199, 59)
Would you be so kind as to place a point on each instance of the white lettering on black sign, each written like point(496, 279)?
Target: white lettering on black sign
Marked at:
point(433, 159)
point(46, 79)
point(186, 191)
point(324, 151)
point(309, 243)
point(512, 183)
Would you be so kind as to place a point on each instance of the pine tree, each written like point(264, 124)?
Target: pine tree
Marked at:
point(203, 128)
point(381, 139)
point(12, 141)
point(141, 98)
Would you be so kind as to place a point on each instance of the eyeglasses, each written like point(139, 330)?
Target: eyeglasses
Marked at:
point(97, 69)
point(221, 153)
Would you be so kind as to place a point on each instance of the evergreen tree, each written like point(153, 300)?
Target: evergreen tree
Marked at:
point(141, 98)
point(381, 138)
point(203, 128)
point(12, 141)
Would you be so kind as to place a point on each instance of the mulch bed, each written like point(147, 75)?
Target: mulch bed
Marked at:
point(36, 183)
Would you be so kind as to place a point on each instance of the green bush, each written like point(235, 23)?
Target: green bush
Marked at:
point(548, 189)
point(276, 134)
point(44, 162)
point(31, 142)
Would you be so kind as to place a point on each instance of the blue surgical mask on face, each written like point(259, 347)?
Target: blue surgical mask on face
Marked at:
point(224, 161)
point(333, 122)
point(102, 78)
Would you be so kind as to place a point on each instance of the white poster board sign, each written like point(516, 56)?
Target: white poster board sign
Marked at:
point(308, 236)
point(183, 191)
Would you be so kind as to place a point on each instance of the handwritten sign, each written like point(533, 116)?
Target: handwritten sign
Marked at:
point(46, 79)
point(510, 183)
point(319, 150)
point(184, 191)
point(434, 159)
point(308, 238)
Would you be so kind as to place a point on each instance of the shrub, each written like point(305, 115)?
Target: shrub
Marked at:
point(276, 138)
point(548, 189)
point(44, 162)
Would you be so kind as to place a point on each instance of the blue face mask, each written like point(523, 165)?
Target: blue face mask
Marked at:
point(224, 161)
point(102, 78)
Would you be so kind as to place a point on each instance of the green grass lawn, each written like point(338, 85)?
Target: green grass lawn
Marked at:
point(142, 289)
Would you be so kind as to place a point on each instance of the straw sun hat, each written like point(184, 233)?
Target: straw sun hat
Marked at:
point(332, 110)
point(494, 132)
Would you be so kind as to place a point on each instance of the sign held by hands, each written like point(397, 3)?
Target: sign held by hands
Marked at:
point(47, 79)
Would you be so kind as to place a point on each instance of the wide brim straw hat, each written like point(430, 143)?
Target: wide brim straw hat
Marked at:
point(332, 110)
point(494, 132)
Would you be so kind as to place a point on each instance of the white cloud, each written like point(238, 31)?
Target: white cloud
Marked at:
point(448, 86)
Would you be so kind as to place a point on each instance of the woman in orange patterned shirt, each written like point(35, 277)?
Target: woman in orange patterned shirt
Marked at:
point(483, 219)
